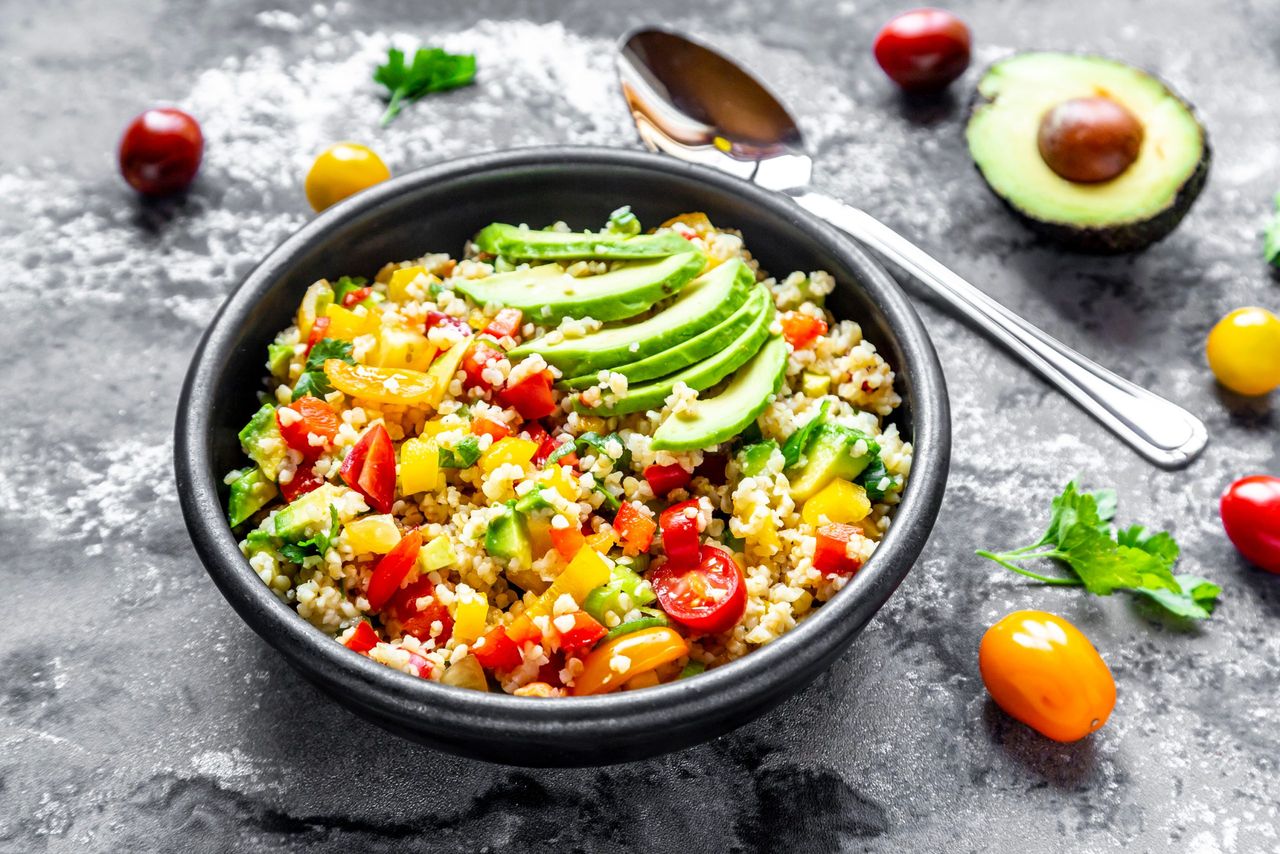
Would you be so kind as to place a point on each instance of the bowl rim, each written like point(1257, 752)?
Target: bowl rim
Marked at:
point(495, 715)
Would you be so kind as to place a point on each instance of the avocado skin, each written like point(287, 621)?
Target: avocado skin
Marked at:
point(1122, 237)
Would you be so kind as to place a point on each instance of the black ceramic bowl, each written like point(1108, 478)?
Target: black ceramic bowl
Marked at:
point(438, 209)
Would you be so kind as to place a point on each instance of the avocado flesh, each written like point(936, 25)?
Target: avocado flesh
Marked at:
point(703, 303)
point(1141, 205)
point(250, 492)
point(546, 293)
point(700, 375)
point(523, 244)
point(830, 455)
point(307, 514)
point(713, 420)
point(704, 345)
point(508, 537)
point(261, 441)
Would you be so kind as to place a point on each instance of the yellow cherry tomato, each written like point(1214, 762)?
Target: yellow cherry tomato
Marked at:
point(1244, 351)
point(615, 663)
point(342, 170)
point(1041, 670)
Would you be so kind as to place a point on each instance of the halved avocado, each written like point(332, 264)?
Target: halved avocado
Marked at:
point(524, 244)
point(1128, 212)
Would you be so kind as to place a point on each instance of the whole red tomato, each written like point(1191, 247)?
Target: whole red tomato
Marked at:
point(160, 151)
point(923, 50)
point(1250, 511)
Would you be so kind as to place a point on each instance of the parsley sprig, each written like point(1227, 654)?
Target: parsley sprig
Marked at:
point(433, 70)
point(1102, 560)
point(1271, 237)
point(313, 381)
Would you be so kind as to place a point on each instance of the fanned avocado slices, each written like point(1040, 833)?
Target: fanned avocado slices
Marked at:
point(703, 303)
point(524, 244)
point(547, 293)
point(703, 374)
point(713, 420)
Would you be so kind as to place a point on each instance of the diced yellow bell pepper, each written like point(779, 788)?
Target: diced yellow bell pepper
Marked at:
point(419, 466)
point(444, 367)
point(560, 479)
point(399, 282)
point(437, 554)
point(603, 541)
point(839, 501)
point(470, 608)
point(350, 325)
point(315, 301)
point(587, 571)
point(373, 534)
point(403, 348)
point(380, 385)
point(437, 426)
point(814, 385)
point(540, 536)
point(508, 450)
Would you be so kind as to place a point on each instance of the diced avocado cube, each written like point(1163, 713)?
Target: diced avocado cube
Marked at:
point(262, 442)
point(250, 492)
point(814, 385)
point(832, 451)
point(508, 537)
point(437, 554)
point(308, 514)
point(278, 358)
point(755, 457)
point(877, 481)
point(607, 597)
point(532, 501)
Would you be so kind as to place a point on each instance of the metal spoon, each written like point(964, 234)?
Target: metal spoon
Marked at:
point(695, 104)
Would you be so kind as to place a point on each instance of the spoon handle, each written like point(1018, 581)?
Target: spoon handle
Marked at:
point(1161, 431)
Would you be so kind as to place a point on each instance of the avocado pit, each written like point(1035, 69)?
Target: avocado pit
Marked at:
point(1089, 140)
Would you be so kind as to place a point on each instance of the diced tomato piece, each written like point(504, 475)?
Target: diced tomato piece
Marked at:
point(663, 479)
point(304, 480)
point(549, 673)
point(531, 397)
point(485, 427)
point(830, 556)
point(354, 298)
point(567, 541)
point(424, 667)
point(315, 418)
point(522, 630)
point(634, 527)
point(370, 468)
point(708, 595)
point(535, 432)
point(505, 323)
point(712, 467)
point(680, 534)
point(549, 446)
point(801, 330)
point(439, 318)
point(420, 622)
point(392, 570)
point(584, 634)
point(498, 651)
point(364, 638)
point(318, 330)
point(474, 363)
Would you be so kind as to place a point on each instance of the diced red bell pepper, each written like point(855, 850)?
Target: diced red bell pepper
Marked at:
point(392, 570)
point(304, 480)
point(663, 479)
point(634, 527)
point(498, 651)
point(420, 622)
point(370, 468)
point(549, 446)
point(584, 634)
point(801, 330)
point(523, 630)
point(364, 638)
point(567, 541)
point(315, 417)
point(505, 323)
point(353, 298)
point(425, 668)
point(830, 556)
point(680, 534)
point(535, 432)
point(474, 363)
point(485, 427)
point(318, 330)
point(438, 318)
point(531, 397)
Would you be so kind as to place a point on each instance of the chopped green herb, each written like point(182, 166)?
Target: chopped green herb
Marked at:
point(623, 221)
point(313, 380)
point(602, 444)
point(564, 449)
point(462, 455)
point(1271, 237)
point(794, 447)
point(433, 70)
point(317, 545)
point(346, 285)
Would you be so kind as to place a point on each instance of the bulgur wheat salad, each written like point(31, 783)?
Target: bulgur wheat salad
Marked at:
point(571, 462)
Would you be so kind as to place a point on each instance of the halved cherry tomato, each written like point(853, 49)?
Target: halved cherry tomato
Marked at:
point(634, 527)
point(1042, 671)
point(304, 480)
point(484, 427)
point(680, 534)
point(419, 622)
point(438, 318)
point(567, 541)
point(831, 556)
point(315, 418)
point(1250, 511)
point(531, 397)
point(475, 362)
point(496, 651)
point(318, 331)
point(637, 652)
point(709, 597)
point(391, 571)
point(584, 634)
point(354, 298)
point(505, 323)
point(364, 638)
point(801, 330)
point(663, 479)
point(370, 468)
point(549, 673)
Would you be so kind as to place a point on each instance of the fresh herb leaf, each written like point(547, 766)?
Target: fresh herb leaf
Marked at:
point(462, 455)
point(317, 545)
point(610, 500)
point(1195, 600)
point(313, 383)
point(601, 444)
point(329, 348)
point(623, 221)
point(1271, 237)
point(794, 447)
point(873, 480)
point(294, 552)
point(433, 70)
point(564, 449)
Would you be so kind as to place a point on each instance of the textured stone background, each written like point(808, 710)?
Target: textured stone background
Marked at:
point(137, 711)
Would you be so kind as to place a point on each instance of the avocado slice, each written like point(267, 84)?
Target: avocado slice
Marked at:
point(308, 513)
point(1139, 206)
point(712, 420)
point(261, 441)
point(523, 244)
point(250, 492)
point(833, 451)
point(547, 293)
point(703, 303)
point(508, 536)
point(702, 374)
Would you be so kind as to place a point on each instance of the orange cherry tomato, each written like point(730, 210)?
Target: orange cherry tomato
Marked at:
point(612, 664)
point(1042, 671)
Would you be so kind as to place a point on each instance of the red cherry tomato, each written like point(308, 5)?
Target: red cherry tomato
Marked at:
point(663, 479)
point(679, 524)
point(304, 480)
point(420, 622)
point(315, 417)
point(160, 152)
point(370, 468)
point(391, 571)
point(531, 397)
point(1251, 516)
point(923, 50)
point(708, 597)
